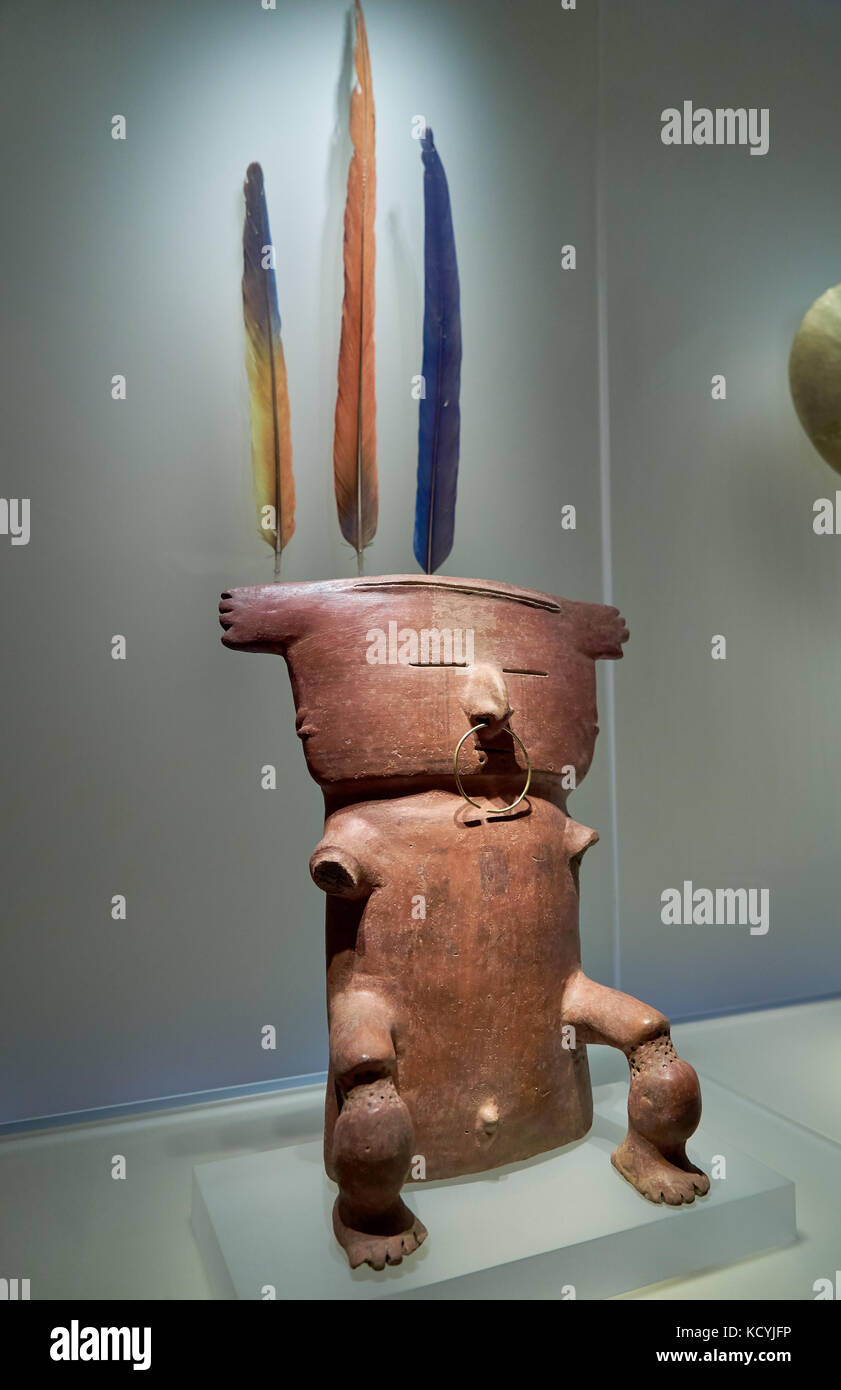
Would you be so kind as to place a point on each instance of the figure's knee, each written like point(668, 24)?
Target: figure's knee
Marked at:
point(373, 1135)
point(372, 1145)
point(645, 1025)
point(664, 1103)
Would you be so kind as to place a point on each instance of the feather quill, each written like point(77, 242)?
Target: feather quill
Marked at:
point(271, 439)
point(439, 421)
point(355, 438)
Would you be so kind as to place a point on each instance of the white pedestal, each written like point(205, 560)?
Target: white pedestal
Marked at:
point(534, 1230)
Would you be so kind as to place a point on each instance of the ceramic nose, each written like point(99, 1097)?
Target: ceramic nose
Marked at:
point(485, 699)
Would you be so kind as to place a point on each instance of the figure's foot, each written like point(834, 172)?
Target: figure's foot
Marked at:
point(400, 1233)
point(673, 1180)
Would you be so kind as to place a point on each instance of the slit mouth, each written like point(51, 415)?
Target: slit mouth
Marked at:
point(522, 671)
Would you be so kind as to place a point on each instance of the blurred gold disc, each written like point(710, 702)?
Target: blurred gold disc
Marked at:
point(815, 375)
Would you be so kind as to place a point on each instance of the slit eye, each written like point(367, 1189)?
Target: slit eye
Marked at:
point(434, 665)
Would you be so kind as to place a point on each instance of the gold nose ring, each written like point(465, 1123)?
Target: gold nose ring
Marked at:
point(502, 810)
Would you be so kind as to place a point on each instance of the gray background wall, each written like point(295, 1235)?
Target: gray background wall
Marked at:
point(142, 777)
point(728, 771)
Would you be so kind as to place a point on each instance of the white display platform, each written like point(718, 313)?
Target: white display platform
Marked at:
point(536, 1230)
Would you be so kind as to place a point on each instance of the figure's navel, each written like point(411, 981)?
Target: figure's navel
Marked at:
point(487, 1121)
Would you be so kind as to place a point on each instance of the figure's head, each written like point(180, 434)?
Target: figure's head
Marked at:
point(388, 673)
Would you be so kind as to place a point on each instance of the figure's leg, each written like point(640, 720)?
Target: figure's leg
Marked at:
point(664, 1100)
point(372, 1137)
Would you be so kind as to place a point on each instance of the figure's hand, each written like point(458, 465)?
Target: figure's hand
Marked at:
point(601, 631)
point(253, 619)
point(236, 616)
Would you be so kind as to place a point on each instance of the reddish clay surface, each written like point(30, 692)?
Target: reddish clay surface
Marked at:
point(458, 1011)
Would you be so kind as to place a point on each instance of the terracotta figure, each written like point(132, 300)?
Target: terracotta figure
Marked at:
point(458, 1011)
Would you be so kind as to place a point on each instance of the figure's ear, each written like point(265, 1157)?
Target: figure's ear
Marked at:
point(578, 838)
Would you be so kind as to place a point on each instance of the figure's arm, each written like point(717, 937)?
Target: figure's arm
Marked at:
point(348, 862)
point(335, 869)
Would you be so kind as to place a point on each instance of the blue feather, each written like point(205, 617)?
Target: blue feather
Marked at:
point(439, 424)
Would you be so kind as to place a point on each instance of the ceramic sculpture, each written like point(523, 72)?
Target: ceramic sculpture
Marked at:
point(458, 1012)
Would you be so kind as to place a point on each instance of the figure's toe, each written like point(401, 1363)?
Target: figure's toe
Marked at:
point(655, 1177)
point(378, 1251)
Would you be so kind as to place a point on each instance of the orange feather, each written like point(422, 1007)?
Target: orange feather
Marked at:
point(355, 438)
